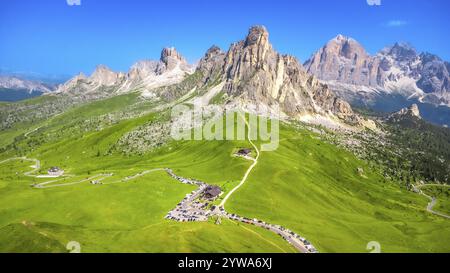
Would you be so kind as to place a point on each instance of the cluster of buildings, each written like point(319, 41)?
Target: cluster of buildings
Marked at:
point(194, 206)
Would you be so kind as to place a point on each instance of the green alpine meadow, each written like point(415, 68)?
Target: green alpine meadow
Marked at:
point(236, 149)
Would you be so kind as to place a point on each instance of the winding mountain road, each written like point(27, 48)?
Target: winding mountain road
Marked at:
point(35, 167)
point(433, 199)
point(255, 162)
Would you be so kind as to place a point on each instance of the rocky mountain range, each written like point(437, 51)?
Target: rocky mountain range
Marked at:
point(256, 77)
point(144, 75)
point(252, 74)
point(395, 77)
point(14, 88)
point(17, 83)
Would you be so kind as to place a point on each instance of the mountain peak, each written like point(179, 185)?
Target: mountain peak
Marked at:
point(257, 78)
point(414, 110)
point(171, 58)
point(170, 52)
point(341, 38)
point(81, 75)
point(407, 112)
point(213, 50)
point(402, 51)
point(429, 57)
point(101, 68)
point(403, 45)
point(256, 34)
point(104, 75)
point(15, 82)
point(342, 59)
point(345, 46)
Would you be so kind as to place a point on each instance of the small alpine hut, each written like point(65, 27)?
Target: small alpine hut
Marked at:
point(244, 152)
point(55, 171)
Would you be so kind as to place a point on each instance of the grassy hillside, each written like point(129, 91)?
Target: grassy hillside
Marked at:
point(7, 94)
point(442, 194)
point(315, 189)
point(123, 217)
point(306, 185)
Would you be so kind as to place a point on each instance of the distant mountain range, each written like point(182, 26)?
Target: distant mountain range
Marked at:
point(144, 75)
point(13, 88)
point(395, 77)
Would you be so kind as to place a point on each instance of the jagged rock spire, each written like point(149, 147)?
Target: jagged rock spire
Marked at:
point(170, 57)
point(255, 73)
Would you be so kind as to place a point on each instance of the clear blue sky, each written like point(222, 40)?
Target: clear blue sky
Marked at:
point(51, 37)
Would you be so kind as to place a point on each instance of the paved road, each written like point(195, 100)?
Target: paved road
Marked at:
point(433, 201)
point(134, 176)
point(430, 208)
point(299, 245)
point(98, 177)
point(294, 239)
point(431, 204)
point(45, 123)
point(36, 166)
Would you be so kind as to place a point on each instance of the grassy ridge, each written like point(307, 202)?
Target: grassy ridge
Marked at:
point(306, 185)
point(314, 189)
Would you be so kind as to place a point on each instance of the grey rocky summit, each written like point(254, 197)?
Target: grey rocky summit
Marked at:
point(251, 73)
point(344, 59)
point(105, 76)
point(407, 112)
point(398, 68)
point(171, 58)
point(211, 65)
point(254, 73)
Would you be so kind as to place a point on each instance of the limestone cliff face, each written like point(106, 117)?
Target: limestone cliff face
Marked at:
point(143, 69)
point(171, 58)
point(344, 59)
point(211, 65)
point(105, 76)
point(395, 69)
point(254, 72)
point(435, 76)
